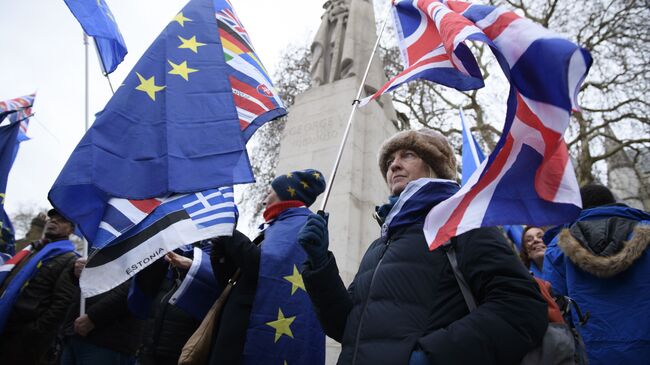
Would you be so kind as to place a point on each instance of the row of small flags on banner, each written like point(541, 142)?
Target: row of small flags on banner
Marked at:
point(156, 169)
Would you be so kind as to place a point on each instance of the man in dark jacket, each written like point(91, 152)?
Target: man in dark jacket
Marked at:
point(36, 294)
point(404, 304)
point(182, 288)
point(268, 318)
point(601, 261)
point(106, 334)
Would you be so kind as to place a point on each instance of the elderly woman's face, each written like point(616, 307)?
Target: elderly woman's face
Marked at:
point(405, 166)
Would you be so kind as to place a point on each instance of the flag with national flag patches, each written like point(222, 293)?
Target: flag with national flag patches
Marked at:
point(171, 132)
point(528, 178)
point(151, 230)
point(252, 88)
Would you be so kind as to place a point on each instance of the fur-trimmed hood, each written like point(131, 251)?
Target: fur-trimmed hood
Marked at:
point(617, 255)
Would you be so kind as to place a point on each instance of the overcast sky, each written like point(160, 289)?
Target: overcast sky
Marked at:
point(43, 51)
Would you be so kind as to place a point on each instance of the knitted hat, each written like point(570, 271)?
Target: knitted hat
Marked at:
point(596, 195)
point(55, 213)
point(429, 145)
point(303, 185)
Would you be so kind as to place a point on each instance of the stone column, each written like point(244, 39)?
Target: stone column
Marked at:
point(313, 133)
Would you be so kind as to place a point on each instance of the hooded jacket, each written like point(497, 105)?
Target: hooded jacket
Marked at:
point(405, 298)
point(601, 261)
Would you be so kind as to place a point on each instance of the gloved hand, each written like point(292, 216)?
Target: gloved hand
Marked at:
point(314, 239)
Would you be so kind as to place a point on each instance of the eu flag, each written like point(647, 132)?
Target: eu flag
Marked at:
point(283, 327)
point(8, 145)
point(98, 22)
point(178, 124)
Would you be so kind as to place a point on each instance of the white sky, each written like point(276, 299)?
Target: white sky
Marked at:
point(43, 51)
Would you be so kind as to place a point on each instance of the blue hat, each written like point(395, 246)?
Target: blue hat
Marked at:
point(304, 185)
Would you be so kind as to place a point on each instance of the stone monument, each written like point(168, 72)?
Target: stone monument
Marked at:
point(317, 120)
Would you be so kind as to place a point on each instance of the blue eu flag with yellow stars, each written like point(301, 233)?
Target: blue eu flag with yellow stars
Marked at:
point(283, 328)
point(98, 21)
point(175, 124)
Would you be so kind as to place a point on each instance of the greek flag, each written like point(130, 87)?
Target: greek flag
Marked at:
point(171, 224)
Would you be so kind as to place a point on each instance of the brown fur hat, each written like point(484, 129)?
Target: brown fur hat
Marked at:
point(431, 146)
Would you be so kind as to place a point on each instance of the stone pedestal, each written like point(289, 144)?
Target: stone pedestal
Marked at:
point(311, 140)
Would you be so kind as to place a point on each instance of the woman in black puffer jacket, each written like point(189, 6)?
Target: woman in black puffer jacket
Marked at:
point(404, 304)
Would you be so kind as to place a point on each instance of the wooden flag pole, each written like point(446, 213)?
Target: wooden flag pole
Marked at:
point(355, 105)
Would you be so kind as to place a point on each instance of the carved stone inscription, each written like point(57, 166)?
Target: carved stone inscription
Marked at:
point(311, 132)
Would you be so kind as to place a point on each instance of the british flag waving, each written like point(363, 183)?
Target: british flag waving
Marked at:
point(528, 178)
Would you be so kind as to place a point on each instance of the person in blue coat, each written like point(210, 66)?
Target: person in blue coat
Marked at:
point(268, 317)
point(601, 261)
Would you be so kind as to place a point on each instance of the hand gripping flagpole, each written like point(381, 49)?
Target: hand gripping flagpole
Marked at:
point(355, 105)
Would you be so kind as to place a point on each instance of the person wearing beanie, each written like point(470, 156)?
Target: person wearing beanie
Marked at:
point(405, 306)
point(602, 262)
point(268, 318)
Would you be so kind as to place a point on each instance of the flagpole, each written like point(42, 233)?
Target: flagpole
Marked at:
point(84, 249)
point(355, 106)
point(101, 63)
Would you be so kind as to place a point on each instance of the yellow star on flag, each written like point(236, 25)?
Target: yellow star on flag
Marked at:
point(316, 175)
point(181, 19)
point(289, 175)
point(191, 44)
point(296, 280)
point(282, 325)
point(181, 70)
point(304, 185)
point(291, 191)
point(149, 86)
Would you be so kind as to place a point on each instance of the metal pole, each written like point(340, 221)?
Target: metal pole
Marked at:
point(103, 67)
point(86, 81)
point(355, 105)
point(84, 253)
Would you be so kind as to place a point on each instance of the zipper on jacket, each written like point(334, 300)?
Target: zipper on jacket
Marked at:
point(365, 304)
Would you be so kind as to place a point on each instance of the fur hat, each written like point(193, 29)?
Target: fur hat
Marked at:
point(429, 145)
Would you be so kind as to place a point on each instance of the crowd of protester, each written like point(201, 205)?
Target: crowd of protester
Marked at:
point(573, 294)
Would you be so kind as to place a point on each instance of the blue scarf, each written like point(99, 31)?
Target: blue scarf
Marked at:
point(28, 271)
point(415, 202)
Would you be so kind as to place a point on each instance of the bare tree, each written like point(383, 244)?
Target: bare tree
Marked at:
point(28, 222)
point(291, 79)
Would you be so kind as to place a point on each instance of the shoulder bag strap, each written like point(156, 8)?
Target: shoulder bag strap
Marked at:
point(464, 288)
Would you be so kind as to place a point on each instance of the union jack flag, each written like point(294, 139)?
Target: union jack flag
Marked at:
point(18, 110)
point(528, 178)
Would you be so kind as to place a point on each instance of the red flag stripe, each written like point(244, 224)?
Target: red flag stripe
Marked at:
point(249, 90)
point(147, 205)
point(448, 229)
point(502, 22)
